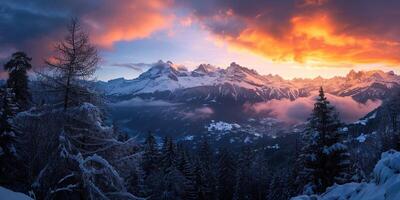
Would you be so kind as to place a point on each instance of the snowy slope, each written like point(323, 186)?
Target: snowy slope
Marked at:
point(7, 194)
point(384, 186)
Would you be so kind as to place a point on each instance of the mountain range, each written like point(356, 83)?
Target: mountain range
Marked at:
point(208, 83)
point(170, 99)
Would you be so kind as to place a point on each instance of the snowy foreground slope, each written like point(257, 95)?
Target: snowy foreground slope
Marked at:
point(10, 195)
point(385, 184)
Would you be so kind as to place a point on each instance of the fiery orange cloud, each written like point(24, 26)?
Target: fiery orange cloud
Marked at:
point(127, 20)
point(315, 39)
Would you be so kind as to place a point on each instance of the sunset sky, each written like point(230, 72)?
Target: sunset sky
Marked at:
point(292, 38)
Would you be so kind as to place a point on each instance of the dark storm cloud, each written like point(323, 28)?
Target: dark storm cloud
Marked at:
point(24, 21)
point(34, 26)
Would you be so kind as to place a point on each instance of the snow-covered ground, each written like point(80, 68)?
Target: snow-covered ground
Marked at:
point(6, 194)
point(221, 126)
point(361, 138)
point(385, 184)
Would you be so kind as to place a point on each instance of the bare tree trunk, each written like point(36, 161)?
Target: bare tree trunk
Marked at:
point(71, 65)
point(66, 97)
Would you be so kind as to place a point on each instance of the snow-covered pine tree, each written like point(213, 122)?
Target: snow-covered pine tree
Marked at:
point(225, 175)
point(84, 162)
point(358, 173)
point(17, 68)
point(325, 158)
point(9, 108)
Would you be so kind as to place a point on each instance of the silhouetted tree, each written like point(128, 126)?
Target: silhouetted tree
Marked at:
point(225, 175)
point(190, 184)
point(8, 135)
point(75, 61)
point(206, 171)
point(325, 158)
point(150, 155)
point(243, 175)
point(17, 68)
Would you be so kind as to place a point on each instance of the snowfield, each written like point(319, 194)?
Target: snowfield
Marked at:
point(221, 126)
point(385, 184)
point(7, 194)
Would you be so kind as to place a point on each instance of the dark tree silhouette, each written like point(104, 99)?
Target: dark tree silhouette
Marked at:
point(75, 61)
point(325, 158)
point(17, 68)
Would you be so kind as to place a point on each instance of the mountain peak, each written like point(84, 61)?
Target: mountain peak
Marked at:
point(159, 69)
point(237, 69)
point(204, 69)
point(373, 74)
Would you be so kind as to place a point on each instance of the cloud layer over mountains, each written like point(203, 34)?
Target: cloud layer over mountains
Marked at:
point(300, 109)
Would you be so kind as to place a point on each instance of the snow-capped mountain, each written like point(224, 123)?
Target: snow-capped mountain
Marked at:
point(184, 102)
point(362, 85)
point(205, 83)
point(208, 83)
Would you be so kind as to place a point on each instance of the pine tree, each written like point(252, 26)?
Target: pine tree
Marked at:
point(8, 135)
point(358, 173)
point(17, 68)
point(278, 188)
point(225, 175)
point(168, 157)
point(9, 108)
point(243, 175)
point(261, 176)
point(181, 157)
point(190, 186)
point(205, 173)
point(392, 139)
point(172, 178)
point(325, 158)
point(150, 155)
